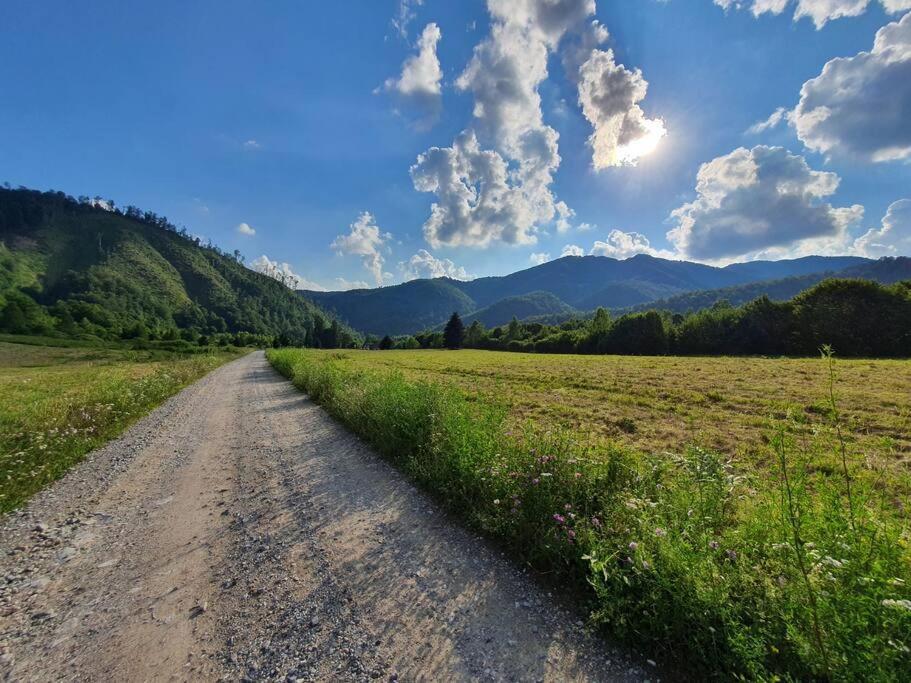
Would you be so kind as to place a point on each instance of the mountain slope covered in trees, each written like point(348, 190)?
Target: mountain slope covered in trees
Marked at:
point(583, 283)
point(885, 271)
point(74, 268)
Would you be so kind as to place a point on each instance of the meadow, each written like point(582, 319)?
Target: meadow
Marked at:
point(745, 517)
point(58, 403)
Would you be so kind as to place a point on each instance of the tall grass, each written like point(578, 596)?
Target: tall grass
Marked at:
point(760, 575)
point(52, 415)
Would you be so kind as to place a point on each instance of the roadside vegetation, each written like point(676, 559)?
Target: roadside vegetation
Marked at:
point(792, 563)
point(58, 403)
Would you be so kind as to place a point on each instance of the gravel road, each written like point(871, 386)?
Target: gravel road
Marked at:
point(238, 533)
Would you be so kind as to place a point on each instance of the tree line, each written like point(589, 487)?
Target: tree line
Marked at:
point(858, 318)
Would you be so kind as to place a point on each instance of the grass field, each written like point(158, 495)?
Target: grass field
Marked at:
point(58, 403)
point(745, 516)
point(657, 404)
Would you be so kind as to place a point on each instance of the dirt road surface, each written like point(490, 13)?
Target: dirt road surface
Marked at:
point(238, 533)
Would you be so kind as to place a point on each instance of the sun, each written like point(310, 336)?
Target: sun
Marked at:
point(644, 145)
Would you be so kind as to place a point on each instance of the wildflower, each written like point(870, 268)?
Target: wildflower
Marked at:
point(567, 507)
point(560, 519)
point(596, 522)
point(633, 545)
point(578, 475)
point(570, 534)
point(660, 533)
point(645, 565)
point(713, 545)
point(898, 604)
point(496, 501)
point(731, 555)
point(546, 474)
point(535, 481)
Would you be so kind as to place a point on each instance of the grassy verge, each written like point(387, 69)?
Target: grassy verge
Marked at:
point(792, 571)
point(57, 404)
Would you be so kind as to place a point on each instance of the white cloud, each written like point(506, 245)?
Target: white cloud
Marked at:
point(751, 201)
point(344, 285)
point(252, 145)
point(539, 257)
point(502, 194)
point(423, 264)
point(623, 245)
point(609, 95)
point(418, 87)
point(365, 239)
point(245, 229)
point(775, 119)
point(100, 203)
point(564, 213)
point(860, 106)
point(404, 16)
point(572, 250)
point(477, 200)
point(892, 238)
point(819, 11)
point(284, 274)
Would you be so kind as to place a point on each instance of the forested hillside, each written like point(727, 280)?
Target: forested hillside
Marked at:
point(80, 268)
point(583, 283)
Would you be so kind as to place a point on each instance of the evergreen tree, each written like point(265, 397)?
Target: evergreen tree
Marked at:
point(386, 343)
point(454, 333)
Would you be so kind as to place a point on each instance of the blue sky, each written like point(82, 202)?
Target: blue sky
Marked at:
point(276, 116)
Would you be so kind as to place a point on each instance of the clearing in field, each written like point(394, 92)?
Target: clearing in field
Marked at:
point(57, 404)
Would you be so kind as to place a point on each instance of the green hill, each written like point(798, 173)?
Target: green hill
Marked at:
point(886, 271)
point(534, 305)
point(399, 309)
point(582, 282)
point(71, 269)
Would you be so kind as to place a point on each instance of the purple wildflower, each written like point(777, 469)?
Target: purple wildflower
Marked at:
point(560, 519)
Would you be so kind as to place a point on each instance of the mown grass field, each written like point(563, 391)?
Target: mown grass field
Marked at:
point(57, 404)
point(745, 517)
point(658, 404)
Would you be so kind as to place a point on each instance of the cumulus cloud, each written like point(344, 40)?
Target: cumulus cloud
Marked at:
point(252, 145)
point(819, 11)
point(345, 285)
point(564, 213)
point(757, 199)
point(609, 95)
point(892, 238)
point(245, 229)
point(284, 274)
point(502, 193)
point(623, 245)
point(417, 88)
point(572, 250)
point(537, 258)
point(477, 200)
point(860, 106)
point(423, 264)
point(365, 239)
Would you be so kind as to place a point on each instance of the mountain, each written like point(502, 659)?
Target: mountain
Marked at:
point(71, 268)
point(537, 305)
point(579, 282)
point(885, 271)
point(400, 309)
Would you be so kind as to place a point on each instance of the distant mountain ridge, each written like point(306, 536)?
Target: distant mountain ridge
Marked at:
point(580, 283)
